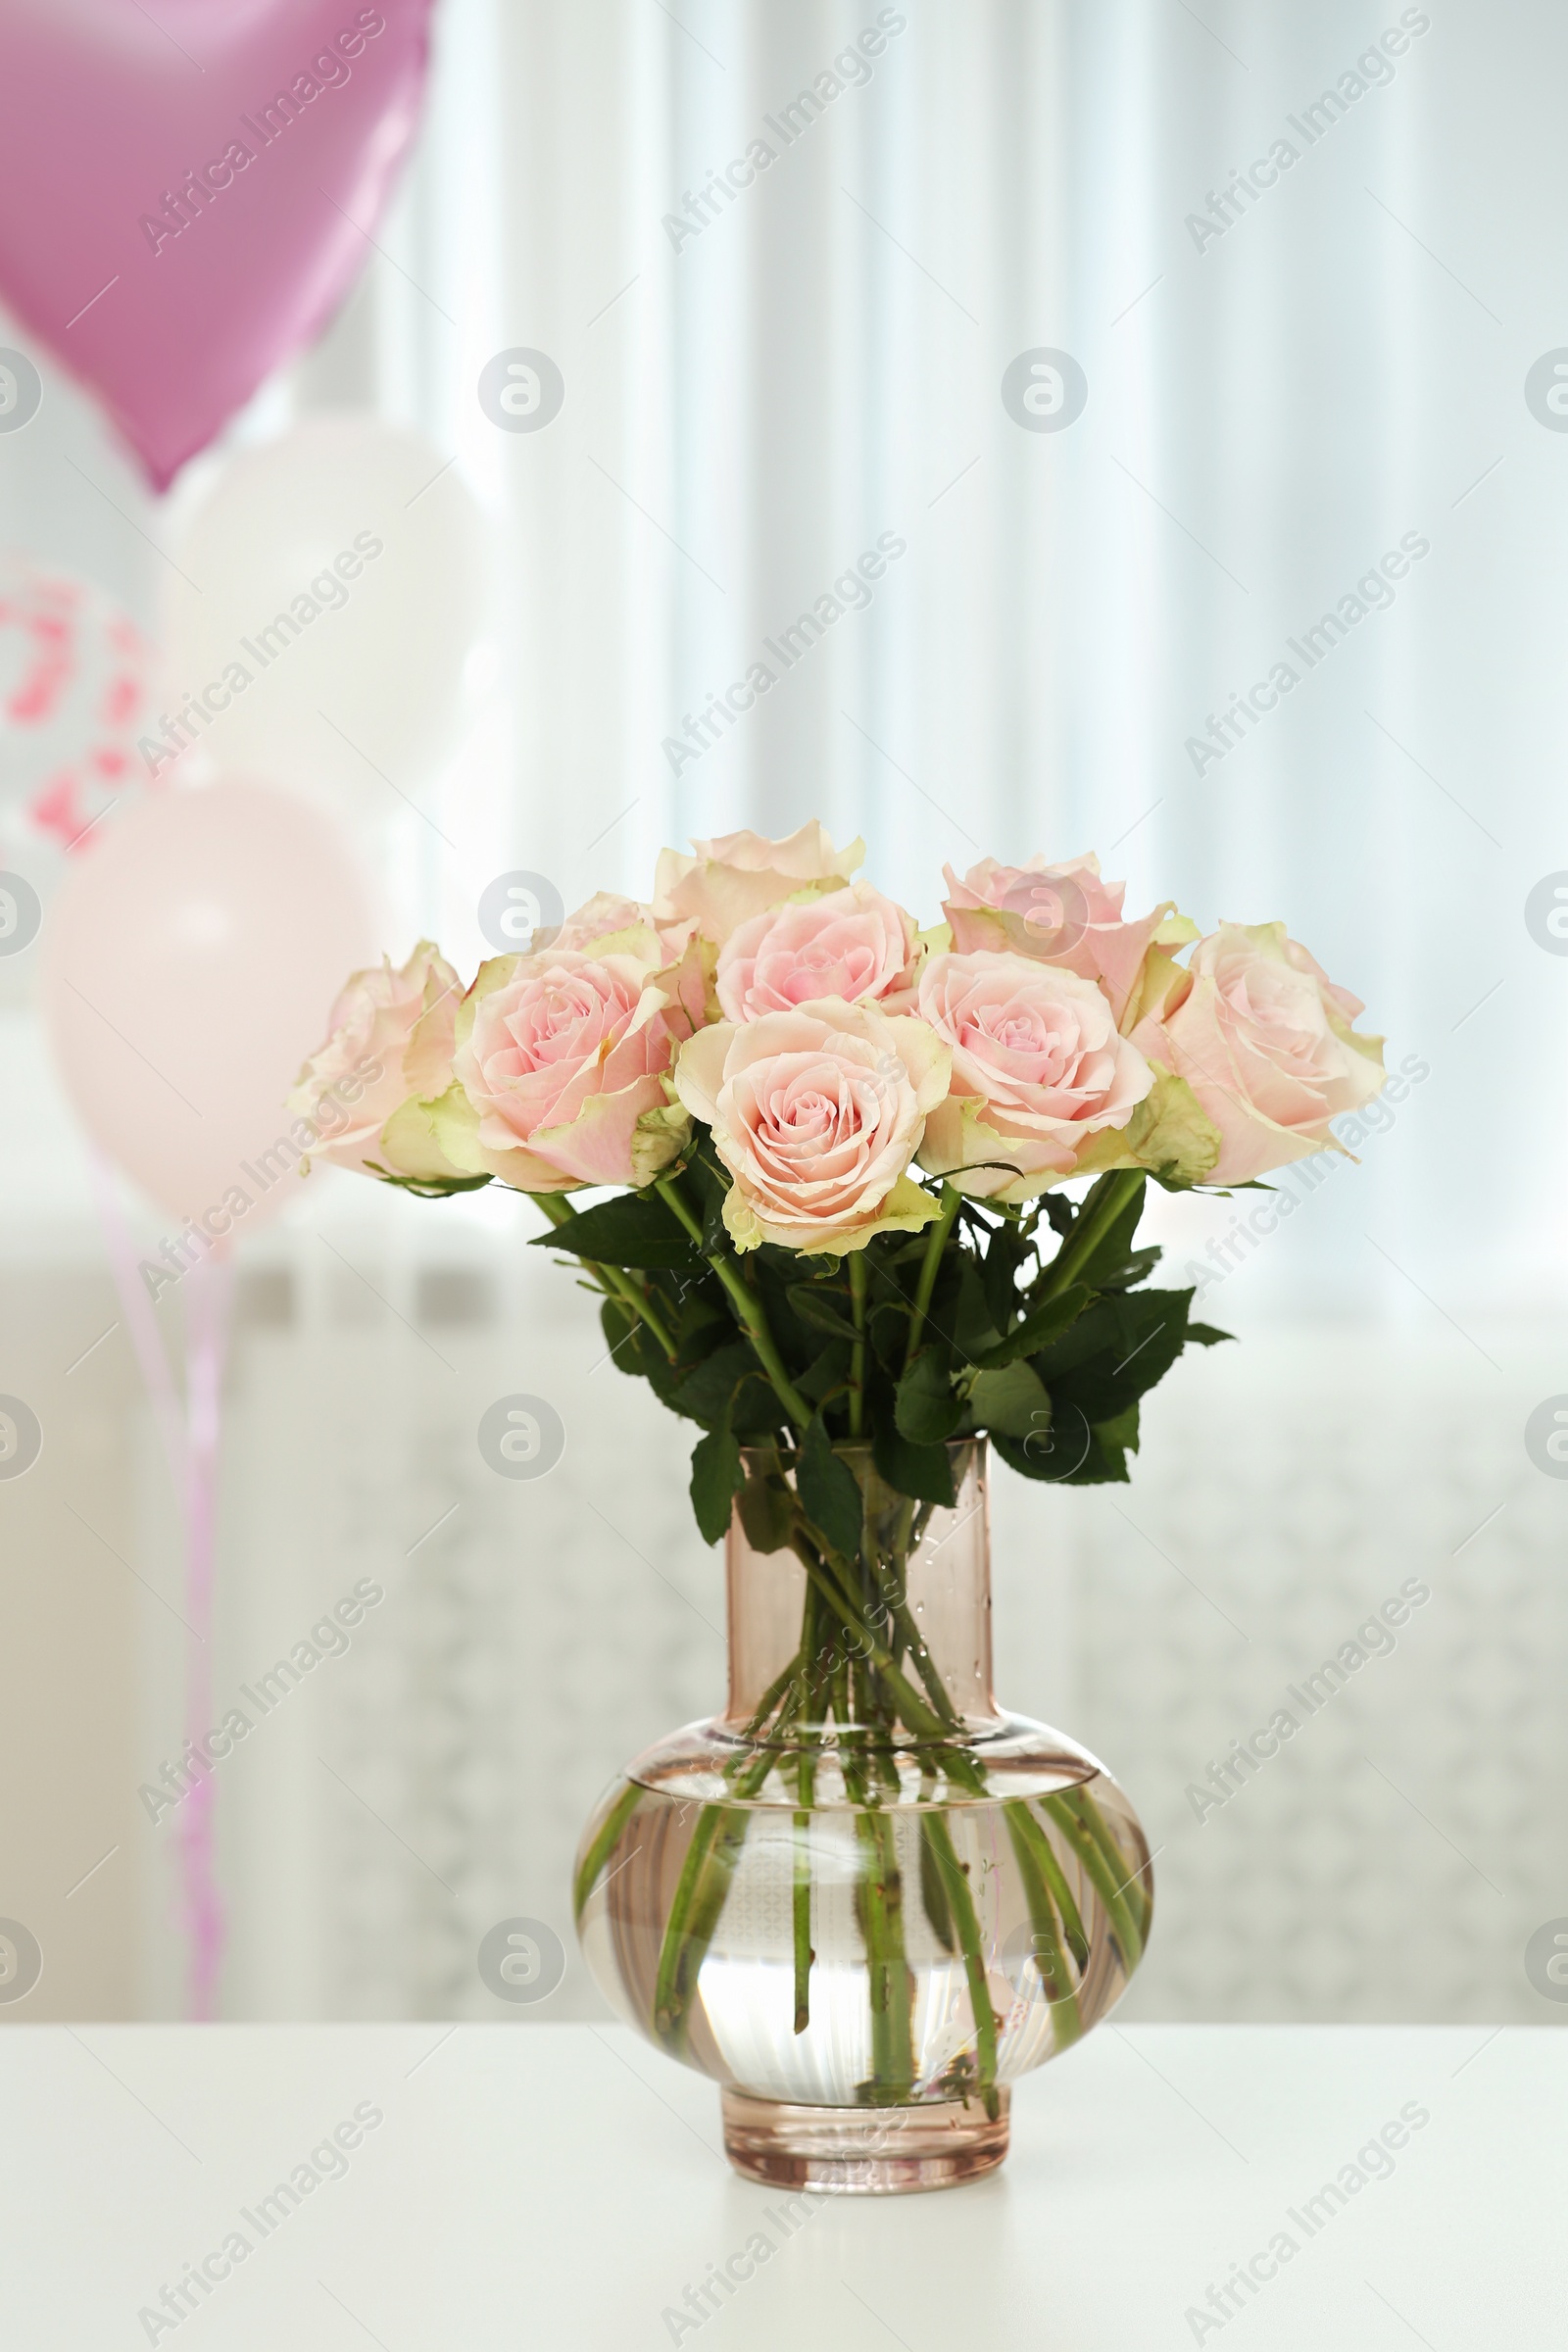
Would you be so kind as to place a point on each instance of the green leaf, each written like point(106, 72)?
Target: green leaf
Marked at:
point(757, 1416)
point(708, 1393)
point(768, 1512)
point(634, 1349)
point(640, 1354)
point(1054, 1457)
point(1114, 1246)
point(922, 1472)
point(1006, 1252)
point(816, 1305)
point(1037, 1330)
point(889, 1327)
point(825, 1373)
point(926, 1410)
point(828, 1490)
point(1136, 1268)
point(697, 1300)
point(1146, 1331)
point(717, 1240)
point(1012, 1400)
point(1206, 1336)
point(618, 1324)
point(1106, 1461)
point(429, 1187)
point(716, 1475)
point(963, 1313)
point(635, 1229)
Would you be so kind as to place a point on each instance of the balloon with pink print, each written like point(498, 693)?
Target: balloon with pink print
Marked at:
point(74, 694)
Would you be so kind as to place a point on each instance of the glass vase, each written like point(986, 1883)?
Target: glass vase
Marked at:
point(863, 1899)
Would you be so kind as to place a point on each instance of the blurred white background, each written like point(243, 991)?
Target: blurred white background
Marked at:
point(742, 416)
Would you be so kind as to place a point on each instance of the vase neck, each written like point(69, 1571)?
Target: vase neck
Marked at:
point(922, 1583)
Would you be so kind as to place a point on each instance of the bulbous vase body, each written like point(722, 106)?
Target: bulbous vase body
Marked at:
point(863, 1899)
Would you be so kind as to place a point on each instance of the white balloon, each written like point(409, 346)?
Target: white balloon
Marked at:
point(331, 589)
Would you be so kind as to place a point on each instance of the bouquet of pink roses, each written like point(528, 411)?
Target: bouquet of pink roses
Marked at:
point(839, 1146)
point(873, 1197)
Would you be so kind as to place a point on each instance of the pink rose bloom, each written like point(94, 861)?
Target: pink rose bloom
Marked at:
point(1264, 1040)
point(739, 875)
point(559, 1065)
point(1038, 1068)
point(816, 1114)
point(601, 917)
point(1060, 914)
point(609, 923)
point(853, 944)
point(389, 1036)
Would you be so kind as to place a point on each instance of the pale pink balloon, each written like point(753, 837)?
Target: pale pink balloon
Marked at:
point(189, 963)
point(194, 187)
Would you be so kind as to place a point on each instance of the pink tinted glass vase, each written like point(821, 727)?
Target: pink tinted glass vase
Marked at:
point(863, 1899)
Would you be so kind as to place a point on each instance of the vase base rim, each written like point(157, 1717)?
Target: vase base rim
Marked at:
point(863, 2151)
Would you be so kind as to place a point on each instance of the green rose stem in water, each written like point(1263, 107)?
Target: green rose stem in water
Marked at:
point(871, 1700)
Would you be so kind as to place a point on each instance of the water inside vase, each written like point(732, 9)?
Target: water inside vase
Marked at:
point(924, 1949)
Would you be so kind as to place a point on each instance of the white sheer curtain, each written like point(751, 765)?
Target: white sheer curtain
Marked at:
point(1270, 410)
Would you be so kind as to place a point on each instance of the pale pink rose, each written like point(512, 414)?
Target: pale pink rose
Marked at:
point(560, 1064)
point(739, 875)
point(816, 1114)
point(1038, 1068)
point(853, 944)
point(1059, 914)
point(389, 1036)
point(601, 917)
point(608, 920)
point(1264, 1040)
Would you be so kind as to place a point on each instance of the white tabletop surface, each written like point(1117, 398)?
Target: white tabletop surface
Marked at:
point(562, 2186)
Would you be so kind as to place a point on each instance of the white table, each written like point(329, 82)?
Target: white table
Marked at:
point(561, 2186)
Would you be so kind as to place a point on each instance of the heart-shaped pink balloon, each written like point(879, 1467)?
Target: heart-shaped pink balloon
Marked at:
point(194, 187)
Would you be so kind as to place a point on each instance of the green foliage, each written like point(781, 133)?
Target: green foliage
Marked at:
point(1037, 1330)
point(769, 1510)
point(428, 1188)
point(1112, 1251)
point(824, 1306)
point(708, 1393)
point(830, 1495)
point(634, 1229)
point(1012, 1401)
point(928, 1410)
point(923, 1472)
point(1040, 1328)
point(717, 1473)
